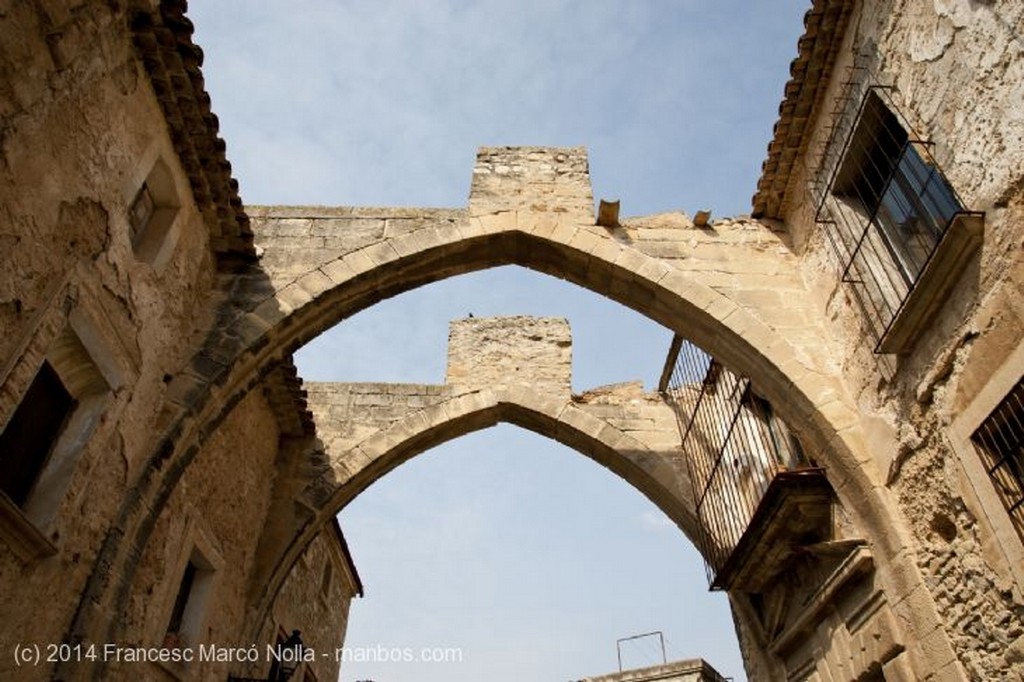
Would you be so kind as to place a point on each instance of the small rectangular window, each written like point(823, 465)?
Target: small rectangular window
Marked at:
point(32, 432)
point(181, 601)
point(899, 231)
point(152, 216)
point(184, 627)
point(140, 213)
point(1000, 443)
point(325, 579)
point(49, 431)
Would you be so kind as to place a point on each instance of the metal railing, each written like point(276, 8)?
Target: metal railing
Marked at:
point(733, 444)
point(1000, 442)
point(884, 209)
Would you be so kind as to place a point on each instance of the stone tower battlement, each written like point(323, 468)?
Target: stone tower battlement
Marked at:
point(500, 352)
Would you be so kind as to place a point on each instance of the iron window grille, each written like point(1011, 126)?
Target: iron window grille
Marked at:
point(885, 210)
point(1000, 443)
point(734, 446)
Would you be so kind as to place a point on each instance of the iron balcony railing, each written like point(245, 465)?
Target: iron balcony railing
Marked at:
point(733, 444)
point(885, 209)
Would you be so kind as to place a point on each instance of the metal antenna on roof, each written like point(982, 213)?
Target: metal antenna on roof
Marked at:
point(661, 637)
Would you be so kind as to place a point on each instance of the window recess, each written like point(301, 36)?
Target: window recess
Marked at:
point(185, 625)
point(999, 441)
point(44, 438)
point(898, 229)
point(152, 217)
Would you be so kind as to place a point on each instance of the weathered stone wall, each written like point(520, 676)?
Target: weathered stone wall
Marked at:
point(82, 130)
point(735, 287)
point(499, 352)
point(219, 507)
point(314, 235)
point(957, 71)
point(65, 253)
point(346, 414)
point(644, 416)
point(749, 261)
point(559, 181)
point(544, 195)
point(496, 353)
point(320, 614)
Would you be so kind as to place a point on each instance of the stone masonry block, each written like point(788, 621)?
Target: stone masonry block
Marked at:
point(349, 230)
point(585, 240)
point(607, 250)
point(474, 400)
point(540, 225)
point(654, 270)
point(293, 297)
point(630, 259)
point(381, 253)
point(564, 232)
point(339, 270)
point(416, 242)
point(493, 222)
point(670, 251)
point(315, 283)
point(359, 262)
point(511, 351)
point(271, 312)
point(899, 669)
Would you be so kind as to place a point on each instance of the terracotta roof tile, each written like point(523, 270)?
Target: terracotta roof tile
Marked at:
point(824, 25)
point(163, 40)
point(283, 389)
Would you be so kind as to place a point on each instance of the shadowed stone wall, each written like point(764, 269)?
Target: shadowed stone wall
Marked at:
point(190, 341)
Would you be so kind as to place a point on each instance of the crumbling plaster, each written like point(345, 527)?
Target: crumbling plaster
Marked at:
point(957, 73)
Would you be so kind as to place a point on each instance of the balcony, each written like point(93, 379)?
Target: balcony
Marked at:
point(757, 496)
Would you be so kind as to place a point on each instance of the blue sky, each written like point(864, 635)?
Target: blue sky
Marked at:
point(528, 557)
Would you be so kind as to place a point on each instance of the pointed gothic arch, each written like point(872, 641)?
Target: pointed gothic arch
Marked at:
point(269, 312)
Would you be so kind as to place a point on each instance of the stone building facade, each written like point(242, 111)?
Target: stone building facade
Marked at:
point(106, 289)
point(690, 670)
point(169, 481)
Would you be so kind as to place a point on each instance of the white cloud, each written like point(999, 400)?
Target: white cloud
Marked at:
point(655, 519)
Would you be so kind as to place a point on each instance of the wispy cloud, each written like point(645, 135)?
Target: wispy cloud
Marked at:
point(655, 519)
point(405, 91)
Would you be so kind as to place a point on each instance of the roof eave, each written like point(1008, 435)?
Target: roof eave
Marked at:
point(824, 28)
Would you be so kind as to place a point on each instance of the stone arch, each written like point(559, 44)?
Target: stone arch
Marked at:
point(379, 453)
point(795, 379)
point(269, 313)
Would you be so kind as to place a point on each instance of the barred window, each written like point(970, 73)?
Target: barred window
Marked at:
point(898, 229)
point(1000, 442)
point(743, 464)
point(904, 196)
